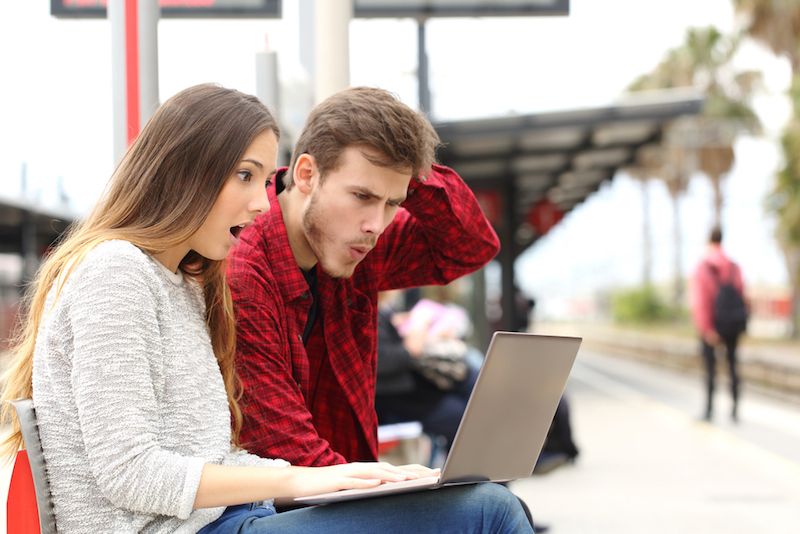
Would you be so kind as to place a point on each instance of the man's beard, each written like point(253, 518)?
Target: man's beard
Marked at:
point(315, 235)
point(317, 238)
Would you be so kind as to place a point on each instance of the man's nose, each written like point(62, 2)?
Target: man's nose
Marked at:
point(375, 221)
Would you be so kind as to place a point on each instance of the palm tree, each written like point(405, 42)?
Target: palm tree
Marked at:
point(703, 62)
point(776, 23)
point(649, 165)
point(643, 174)
point(784, 202)
point(706, 142)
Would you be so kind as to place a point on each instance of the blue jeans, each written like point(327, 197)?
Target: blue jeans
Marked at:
point(485, 507)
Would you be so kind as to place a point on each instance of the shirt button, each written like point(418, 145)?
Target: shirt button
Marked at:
point(299, 338)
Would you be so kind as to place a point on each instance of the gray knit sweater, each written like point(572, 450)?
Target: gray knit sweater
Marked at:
point(129, 397)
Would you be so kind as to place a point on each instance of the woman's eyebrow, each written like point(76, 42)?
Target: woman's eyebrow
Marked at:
point(254, 162)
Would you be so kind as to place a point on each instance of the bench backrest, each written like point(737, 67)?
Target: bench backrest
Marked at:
point(30, 435)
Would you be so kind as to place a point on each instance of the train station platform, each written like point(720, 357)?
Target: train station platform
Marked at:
point(770, 366)
point(648, 464)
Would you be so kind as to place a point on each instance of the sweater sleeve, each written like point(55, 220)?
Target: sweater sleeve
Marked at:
point(241, 457)
point(117, 353)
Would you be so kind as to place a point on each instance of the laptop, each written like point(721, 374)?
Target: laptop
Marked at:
point(506, 420)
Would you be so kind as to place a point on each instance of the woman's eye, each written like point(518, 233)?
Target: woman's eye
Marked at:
point(244, 176)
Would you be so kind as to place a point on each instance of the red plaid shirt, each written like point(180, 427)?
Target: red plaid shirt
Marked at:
point(315, 405)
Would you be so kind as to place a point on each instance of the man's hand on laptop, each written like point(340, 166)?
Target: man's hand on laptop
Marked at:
point(302, 481)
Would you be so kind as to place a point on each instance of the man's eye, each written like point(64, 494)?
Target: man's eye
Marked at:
point(244, 176)
point(267, 183)
point(361, 196)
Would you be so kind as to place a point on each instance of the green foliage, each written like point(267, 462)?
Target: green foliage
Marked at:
point(784, 200)
point(776, 23)
point(703, 61)
point(642, 305)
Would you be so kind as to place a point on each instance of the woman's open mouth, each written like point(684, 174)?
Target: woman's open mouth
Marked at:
point(236, 230)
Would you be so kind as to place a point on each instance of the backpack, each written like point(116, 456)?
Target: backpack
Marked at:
point(729, 309)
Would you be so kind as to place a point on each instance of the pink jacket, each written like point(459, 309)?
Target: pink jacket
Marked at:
point(704, 286)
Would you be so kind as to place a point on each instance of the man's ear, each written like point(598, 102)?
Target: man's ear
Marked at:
point(305, 169)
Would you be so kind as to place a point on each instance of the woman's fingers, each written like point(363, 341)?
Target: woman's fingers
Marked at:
point(391, 473)
point(384, 472)
point(420, 470)
point(359, 476)
point(361, 483)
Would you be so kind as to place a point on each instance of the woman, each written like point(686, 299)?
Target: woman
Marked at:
point(128, 342)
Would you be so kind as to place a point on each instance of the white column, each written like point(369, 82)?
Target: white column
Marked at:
point(149, 14)
point(116, 17)
point(331, 47)
point(267, 86)
point(134, 67)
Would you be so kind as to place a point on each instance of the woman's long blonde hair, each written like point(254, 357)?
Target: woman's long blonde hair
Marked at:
point(159, 195)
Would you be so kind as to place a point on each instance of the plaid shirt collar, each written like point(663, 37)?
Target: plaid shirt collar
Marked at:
point(281, 258)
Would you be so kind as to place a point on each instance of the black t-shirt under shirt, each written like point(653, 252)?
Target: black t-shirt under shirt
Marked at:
point(313, 311)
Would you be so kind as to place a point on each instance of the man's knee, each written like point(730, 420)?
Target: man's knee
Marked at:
point(496, 495)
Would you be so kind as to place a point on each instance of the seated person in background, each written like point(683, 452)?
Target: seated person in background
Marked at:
point(405, 390)
point(559, 447)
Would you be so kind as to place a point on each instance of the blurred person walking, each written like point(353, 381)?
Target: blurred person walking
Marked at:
point(720, 315)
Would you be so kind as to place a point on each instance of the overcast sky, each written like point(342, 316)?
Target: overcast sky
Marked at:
point(55, 110)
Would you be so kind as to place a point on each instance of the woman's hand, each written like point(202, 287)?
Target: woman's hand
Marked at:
point(227, 485)
point(304, 481)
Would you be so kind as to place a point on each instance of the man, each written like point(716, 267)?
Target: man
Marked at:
point(361, 209)
point(720, 315)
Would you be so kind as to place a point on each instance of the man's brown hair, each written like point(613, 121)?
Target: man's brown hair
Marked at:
point(399, 137)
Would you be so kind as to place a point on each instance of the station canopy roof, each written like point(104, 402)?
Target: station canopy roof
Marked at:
point(557, 158)
point(18, 216)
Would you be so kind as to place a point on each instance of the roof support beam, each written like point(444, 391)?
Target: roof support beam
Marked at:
point(508, 254)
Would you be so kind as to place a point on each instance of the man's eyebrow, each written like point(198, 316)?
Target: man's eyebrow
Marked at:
point(368, 192)
point(254, 162)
